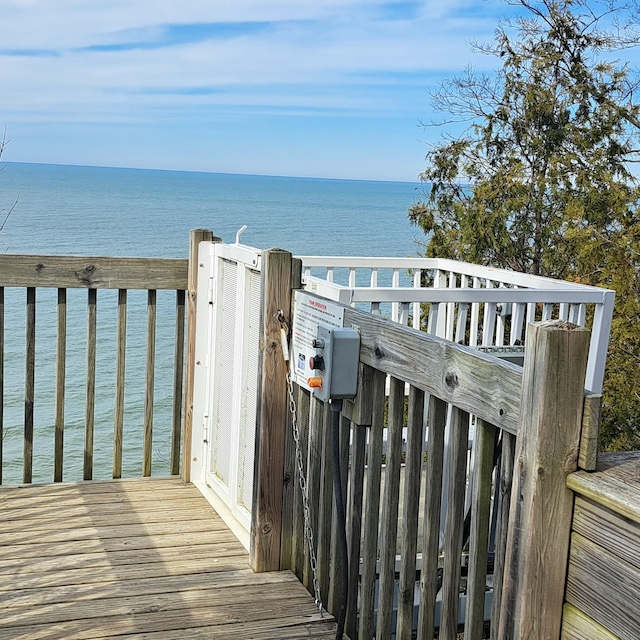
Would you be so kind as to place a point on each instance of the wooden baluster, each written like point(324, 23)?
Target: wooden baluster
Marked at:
point(178, 378)
point(61, 360)
point(147, 447)
point(29, 385)
point(118, 414)
point(90, 397)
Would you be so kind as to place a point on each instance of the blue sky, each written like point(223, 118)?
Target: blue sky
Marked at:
point(323, 88)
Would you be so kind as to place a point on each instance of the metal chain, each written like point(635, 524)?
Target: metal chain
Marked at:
point(308, 531)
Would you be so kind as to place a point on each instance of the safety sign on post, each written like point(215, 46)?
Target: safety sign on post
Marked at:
point(309, 312)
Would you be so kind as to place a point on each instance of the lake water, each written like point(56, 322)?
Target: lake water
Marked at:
point(132, 212)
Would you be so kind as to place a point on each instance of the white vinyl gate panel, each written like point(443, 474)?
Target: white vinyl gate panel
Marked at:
point(227, 348)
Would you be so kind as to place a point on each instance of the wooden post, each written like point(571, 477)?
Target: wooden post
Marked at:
point(197, 236)
point(266, 521)
point(541, 504)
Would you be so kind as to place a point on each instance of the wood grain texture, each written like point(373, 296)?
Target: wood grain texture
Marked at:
point(178, 383)
point(604, 587)
point(541, 505)
point(92, 272)
point(1, 380)
point(372, 507)
point(474, 382)
point(410, 508)
point(391, 500)
point(121, 354)
point(29, 385)
point(272, 410)
point(150, 377)
point(590, 437)
point(90, 384)
point(143, 575)
point(579, 626)
point(615, 484)
point(61, 362)
point(195, 238)
point(431, 518)
point(483, 447)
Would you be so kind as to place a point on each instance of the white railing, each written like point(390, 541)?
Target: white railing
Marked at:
point(469, 304)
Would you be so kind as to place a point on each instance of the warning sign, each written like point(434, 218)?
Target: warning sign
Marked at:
point(309, 312)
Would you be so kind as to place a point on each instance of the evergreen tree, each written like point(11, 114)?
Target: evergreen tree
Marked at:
point(541, 180)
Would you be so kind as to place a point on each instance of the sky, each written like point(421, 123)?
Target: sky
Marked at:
point(319, 88)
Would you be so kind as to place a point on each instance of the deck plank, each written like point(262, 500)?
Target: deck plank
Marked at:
point(147, 559)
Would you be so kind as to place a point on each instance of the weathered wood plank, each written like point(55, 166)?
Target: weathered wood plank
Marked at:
point(431, 518)
point(473, 381)
point(372, 506)
point(614, 485)
point(29, 385)
point(150, 376)
point(323, 500)
point(354, 523)
point(61, 361)
point(92, 272)
point(589, 440)
point(483, 447)
point(541, 504)
point(607, 529)
point(410, 508)
point(604, 587)
point(579, 626)
point(178, 380)
point(272, 414)
point(196, 237)
point(454, 523)
point(391, 500)
point(118, 414)
point(503, 495)
point(90, 386)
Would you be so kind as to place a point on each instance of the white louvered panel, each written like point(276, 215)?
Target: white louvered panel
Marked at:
point(249, 391)
point(224, 363)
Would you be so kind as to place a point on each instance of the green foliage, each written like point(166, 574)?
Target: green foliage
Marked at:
point(540, 179)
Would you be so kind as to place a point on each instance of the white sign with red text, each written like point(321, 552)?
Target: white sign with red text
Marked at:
point(309, 312)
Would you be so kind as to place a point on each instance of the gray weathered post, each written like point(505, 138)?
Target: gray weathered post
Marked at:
point(196, 237)
point(541, 504)
point(266, 521)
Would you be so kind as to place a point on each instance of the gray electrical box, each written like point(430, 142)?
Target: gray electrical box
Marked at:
point(336, 362)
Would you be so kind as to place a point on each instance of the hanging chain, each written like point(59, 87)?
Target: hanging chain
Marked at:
point(308, 531)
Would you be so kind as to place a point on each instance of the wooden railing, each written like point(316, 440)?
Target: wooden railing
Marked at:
point(63, 335)
point(527, 434)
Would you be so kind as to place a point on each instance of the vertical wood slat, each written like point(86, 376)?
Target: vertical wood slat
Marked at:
point(354, 525)
point(289, 512)
point(178, 380)
point(266, 523)
point(313, 468)
point(1, 380)
point(335, 584)
point(118, 414)
point(196, 237)
point(90, 386)
point(410, 508)
point(372, 507)
point(541, 504)
point(29, 385)
point(388, 528)
point(298, 543)
point(432, 506)
point(503, 496)
point(324, 502)
point(61, 361)
point(454, 524)
point(483, 447)
point(147, 447)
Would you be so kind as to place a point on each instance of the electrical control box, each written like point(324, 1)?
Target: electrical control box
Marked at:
point(335, 363)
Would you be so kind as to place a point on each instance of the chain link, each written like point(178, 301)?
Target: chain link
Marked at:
point(308, 531)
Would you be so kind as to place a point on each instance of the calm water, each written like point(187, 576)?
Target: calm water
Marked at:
point(103, 211)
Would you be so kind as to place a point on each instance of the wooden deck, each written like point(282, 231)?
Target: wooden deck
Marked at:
point(146, 559)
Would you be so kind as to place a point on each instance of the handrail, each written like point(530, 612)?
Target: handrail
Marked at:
point(64, 273)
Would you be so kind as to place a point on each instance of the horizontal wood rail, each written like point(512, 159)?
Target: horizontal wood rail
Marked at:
point(64, 273)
